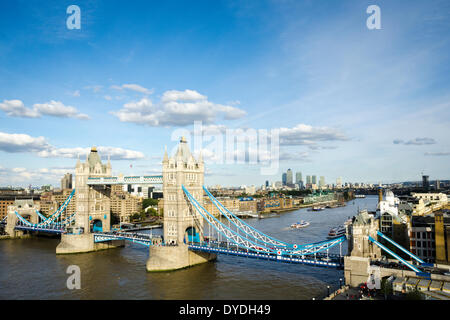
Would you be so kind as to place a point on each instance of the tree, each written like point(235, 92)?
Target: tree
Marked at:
point(149, 202)
point(386, 288)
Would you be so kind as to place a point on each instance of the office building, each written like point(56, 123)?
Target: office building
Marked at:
point(425, 183)
point(308, 180)
point(298, 178)
point(322, 182)
point(289, 177)
point(66, 181)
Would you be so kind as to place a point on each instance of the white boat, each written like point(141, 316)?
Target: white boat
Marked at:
point(299, 225)
point(360, 196)
point(348, 222)
point(337, 232)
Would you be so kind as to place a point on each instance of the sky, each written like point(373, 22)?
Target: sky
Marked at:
point(367, 105)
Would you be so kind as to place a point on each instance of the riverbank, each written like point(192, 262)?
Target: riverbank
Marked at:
point(309, 205)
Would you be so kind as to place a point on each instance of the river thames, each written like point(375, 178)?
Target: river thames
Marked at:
point(32, 270)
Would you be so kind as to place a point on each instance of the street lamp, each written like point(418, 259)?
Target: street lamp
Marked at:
point(340, 282)
point(328, 289)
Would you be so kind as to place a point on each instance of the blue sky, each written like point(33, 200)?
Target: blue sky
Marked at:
point(366, 105)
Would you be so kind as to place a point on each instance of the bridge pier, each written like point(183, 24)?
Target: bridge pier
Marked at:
point(81, 243)
point(170, 258)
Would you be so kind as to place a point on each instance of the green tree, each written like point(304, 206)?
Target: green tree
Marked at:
point(149, 202)
point(152, 212)
point(386, 288)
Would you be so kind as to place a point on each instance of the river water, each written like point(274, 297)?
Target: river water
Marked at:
point(30, 269)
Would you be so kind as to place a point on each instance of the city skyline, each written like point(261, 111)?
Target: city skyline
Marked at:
point(346, 99)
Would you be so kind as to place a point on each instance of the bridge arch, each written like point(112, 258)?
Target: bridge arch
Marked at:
point(96, 225)
point(191, 235)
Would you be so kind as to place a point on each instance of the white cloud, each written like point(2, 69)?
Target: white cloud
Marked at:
point(95, 88)
point(132, 87)
point(13, 143)
point(437, 154)
point(295, 156)
point(58, 109)
point(303, 134)
point(35, 176)
point(22, 143)
point(76, 93)
point(176, 108)
point(186, 95)
point(73, 153)
point(16, 108)
point(416, 141)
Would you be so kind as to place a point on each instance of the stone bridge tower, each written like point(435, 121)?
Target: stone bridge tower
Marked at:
point(92, 202)
point(179, 217)
point(357, 265)
point(181, 221)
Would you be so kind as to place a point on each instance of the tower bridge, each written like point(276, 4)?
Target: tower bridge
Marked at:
point(191, 234)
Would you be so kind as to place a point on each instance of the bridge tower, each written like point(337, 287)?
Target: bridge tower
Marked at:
point(92, 202)
point(357, 267)
point(181, 221)
point(179, 218)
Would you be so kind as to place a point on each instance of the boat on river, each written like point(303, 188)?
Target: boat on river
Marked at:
point(337, 232)
point(299, 225)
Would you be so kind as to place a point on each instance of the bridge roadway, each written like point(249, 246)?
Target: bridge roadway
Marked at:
point(319, 259)
point(49, 228)
point(141, 238)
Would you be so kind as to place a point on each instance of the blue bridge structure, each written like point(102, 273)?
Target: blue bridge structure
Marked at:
point(51, 224)
point(228, 235)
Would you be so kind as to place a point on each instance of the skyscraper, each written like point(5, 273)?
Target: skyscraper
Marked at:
point(322, 181)
point(298, 178)
point(425, 183)
point(66, 181)
point(339, 182)
point(308, 179)
point(289, 177)
point(314, 180)
point(284, 178)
